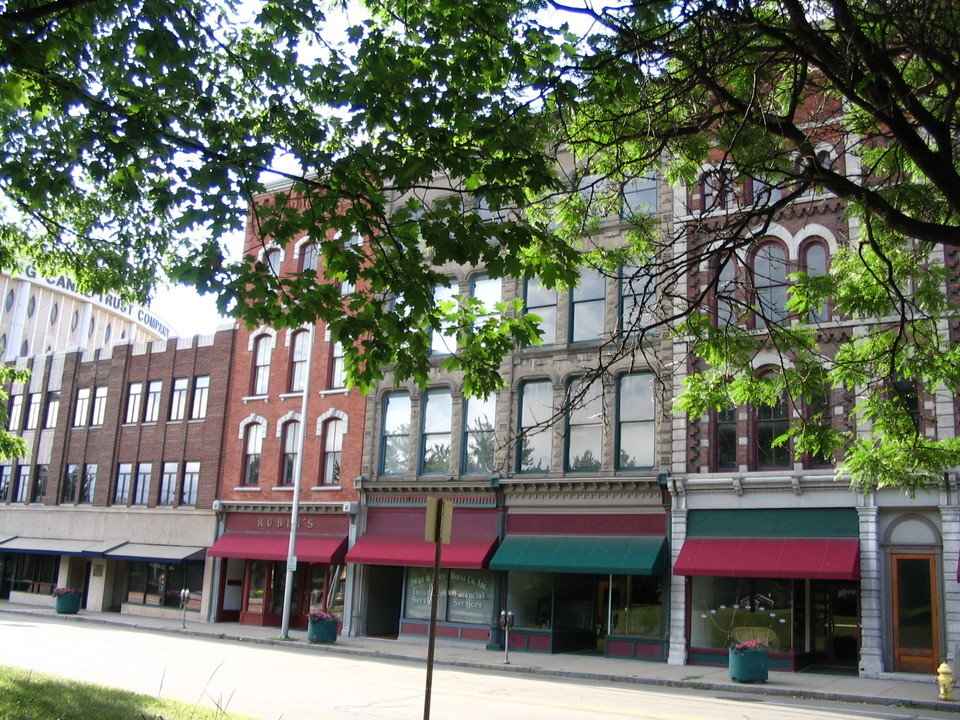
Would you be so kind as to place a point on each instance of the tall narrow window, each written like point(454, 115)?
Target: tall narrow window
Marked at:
point(291, 439)
point(121, 491)
point(487, 290)
point(440, 342)
point(168, 484)
point(134, 399)
point(53, 409)
point(395, 452)
point(191, 481)
point(71, 479)
point(39, 486)
point(638, 297)
point(543, 303)
point(82, 409)
point(771, 423)
point(178, 398)
point(338, 373)
point(298, 360)
point(479, 438)
point(816, 265)
point(141, 491)
point(272, 260)
point(904, 392)
point(261, 365)
point(587, 302)
point(152, 410)
point(536, 409)
point(201, 391)
point(817, 414)
point(252, 447)
point(770, 284)
point(636, 422)
point(435, 438)
point(99, 405)
point(89, 486)
point(308, 256)
point(22, 488)
point(726, 293)
point(333, 431)
point(33, 411)
point(15, 416)
point(726, 439)
point(5, 471)
point(584, 426)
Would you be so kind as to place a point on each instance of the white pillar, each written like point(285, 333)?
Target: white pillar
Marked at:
point(15, 338)
point(871, 595)
point(677, 652)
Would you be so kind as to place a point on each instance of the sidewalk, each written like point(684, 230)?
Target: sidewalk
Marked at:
point(893, 689)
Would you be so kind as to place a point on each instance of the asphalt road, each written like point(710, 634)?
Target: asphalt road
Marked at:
point(295, 684)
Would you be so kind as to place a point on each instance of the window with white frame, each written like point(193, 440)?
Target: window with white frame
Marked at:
point(201, 393)
point(21, 489)
point(191, 481)
point(178, 398)
point(168, 483)
point(252, 448)
point(151, 410)
point(15, 414)
point(121, 490)
point(71, 479)
point(333, 431)
point(53, 409)
point(308, 256)
point(141, 491)
point(291, 439)
point(99, 405)
point(440, 342)
point(262, 349)
point(34, 402)
point(5, 471)
point(89, 483)
point(81, 410)
point(770, 283)
point(298, 360)
point(338, 371)
point(134, 399)
point(39, 486)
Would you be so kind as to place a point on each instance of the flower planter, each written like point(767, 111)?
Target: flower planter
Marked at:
point(322, 631)
point(69, 603)
point(749, 666)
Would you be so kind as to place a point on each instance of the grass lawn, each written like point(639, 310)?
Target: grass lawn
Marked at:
point(26, 695)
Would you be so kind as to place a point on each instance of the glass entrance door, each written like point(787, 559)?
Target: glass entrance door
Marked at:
point(916, 629)
point(834, 627)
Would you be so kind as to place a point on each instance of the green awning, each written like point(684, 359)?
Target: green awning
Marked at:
point(581, 554)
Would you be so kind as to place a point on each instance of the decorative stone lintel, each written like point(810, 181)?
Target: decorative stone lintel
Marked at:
point(306, 508)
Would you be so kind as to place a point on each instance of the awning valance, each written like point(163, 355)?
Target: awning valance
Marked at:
point(382, 549)
point(797, 558)
point(579, 554)
point(155, 553)
point(262, 546)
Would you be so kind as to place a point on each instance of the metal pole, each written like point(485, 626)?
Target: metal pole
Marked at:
point(295, 509)
point(433, 616)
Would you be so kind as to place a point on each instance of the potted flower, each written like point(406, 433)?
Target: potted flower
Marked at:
point(68, 600)
point(322, 627)
point(749, 661)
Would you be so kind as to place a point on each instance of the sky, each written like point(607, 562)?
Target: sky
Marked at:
point(187, 312)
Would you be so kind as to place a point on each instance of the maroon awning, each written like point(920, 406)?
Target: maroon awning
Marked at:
point(264, 546)
point(465, 553)
point(797, 558)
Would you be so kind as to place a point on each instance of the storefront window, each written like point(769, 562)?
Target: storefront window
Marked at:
point(417, 593)
point(574, 609)
point(160, 584)
point(334, 599)
point(255, 588)
point(643, 612)
point(530, 599)
point(33, 573)
point(723, 605)
point(470, 596)
point(278, 584)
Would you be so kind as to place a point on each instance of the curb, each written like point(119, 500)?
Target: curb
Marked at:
point(755, 689)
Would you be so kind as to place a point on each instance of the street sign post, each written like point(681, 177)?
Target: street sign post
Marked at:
point(437, 530)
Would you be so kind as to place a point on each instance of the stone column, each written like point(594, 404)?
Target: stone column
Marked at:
point(871, 596)
point(950, 528)
point(677, 652)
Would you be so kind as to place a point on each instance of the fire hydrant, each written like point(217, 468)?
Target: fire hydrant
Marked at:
point(945, 681)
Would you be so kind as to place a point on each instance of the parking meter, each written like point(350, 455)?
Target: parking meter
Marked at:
point(506, 622)
point(184, 599)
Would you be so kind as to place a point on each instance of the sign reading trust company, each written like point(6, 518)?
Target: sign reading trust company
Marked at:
point(109, 301)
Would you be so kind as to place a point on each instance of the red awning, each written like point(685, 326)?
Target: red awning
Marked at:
point(381, 549)
point(259, 546)
point(798, 558)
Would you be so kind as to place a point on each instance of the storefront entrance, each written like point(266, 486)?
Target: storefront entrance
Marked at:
point(315, 587)
point(834, 630)
point(916, 630)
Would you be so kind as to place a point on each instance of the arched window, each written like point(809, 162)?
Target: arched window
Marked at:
point(435, 438)
point(252, 447)
point(272, 260)
point(770, 284)
point(298, 360)
point(308, 256)
point(716, 190)
point(584, 426)
point(816, 264)
point(395, 450)
point(333, 431)
point(536, 409)
point(291, 442)
point(262, 349)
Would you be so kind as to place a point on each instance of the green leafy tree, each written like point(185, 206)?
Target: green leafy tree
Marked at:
point(135, 133)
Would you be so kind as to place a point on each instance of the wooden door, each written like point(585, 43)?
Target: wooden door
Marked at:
point(916, 623)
